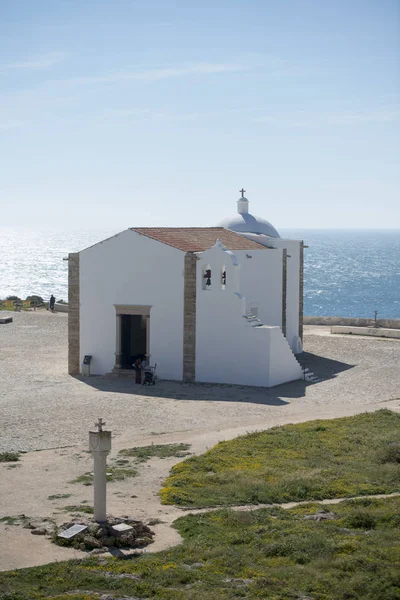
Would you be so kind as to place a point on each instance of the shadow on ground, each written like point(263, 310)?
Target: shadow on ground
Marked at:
point(324, 368)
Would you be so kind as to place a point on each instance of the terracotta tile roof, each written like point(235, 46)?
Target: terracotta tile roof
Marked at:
point(198, 239)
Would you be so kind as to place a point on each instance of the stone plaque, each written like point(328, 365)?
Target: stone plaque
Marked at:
point(121, 528)
point(72, 531)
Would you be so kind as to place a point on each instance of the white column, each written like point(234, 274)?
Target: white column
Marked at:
point(100, 446)
point(243, 206)
point(100, 486)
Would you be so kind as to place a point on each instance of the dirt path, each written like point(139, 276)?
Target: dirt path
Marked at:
point(284, 505)
point(29, 487)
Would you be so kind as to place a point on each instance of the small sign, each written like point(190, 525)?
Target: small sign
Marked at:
point(72, 531)
point(87, 359)
point(122, 528)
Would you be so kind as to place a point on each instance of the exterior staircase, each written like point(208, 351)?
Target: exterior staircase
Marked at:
point(310, 376)
point(252, 320)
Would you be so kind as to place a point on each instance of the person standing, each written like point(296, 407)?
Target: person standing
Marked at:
point(52, 303)
point(138, 368)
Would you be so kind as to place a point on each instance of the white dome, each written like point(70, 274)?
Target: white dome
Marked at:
point(244, 222)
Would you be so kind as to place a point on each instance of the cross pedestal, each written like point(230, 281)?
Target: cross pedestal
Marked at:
point(100, 446)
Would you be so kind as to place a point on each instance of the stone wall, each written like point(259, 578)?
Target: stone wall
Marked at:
point(73, 314)
point(60, 307)
point(389, 323)
point(189, 318)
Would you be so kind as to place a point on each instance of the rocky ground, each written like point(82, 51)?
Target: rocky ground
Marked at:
point(47, 413)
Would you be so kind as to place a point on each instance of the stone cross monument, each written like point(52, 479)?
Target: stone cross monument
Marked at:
point(100, 446)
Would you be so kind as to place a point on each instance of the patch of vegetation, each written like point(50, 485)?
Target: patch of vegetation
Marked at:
point(113, 474)
point(58, 496)
point(14, 299)
point(9, 456)
point(85, 479)
point(79, 508)
point(352, 456)
point(144, 453)
point(19, 520)
point(155, 521)
point(265, 553)
point(118, 474)
point(390, 453)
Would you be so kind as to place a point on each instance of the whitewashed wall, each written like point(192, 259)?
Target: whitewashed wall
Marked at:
point(293, 287)
point(283, 365)
point(229, 350)
point(261, 283)
point(132, 269)
point(293, 282)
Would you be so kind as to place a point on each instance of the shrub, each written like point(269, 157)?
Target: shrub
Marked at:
point(14, 298)
point(361, 519)
point(391, 454)
point(34, 299)
point(9, 456)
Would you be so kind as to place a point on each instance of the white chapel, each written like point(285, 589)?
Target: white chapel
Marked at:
point(221, 304)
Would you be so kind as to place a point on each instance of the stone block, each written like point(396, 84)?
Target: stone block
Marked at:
point(91, 542)
point(121, 528)
point(72, 531)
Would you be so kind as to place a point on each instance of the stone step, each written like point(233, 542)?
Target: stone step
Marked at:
point(123, 374)
point(310, 376)
point(253, 320)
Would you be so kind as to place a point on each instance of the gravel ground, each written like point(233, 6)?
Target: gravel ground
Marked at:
point(42, 407)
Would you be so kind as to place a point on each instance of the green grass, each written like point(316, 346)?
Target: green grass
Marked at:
point(19, 520)
point(72, 508)
point(144, 453)
point(225, 555)
point(85, 479)
point(113, 474)
point(58, 496)
point(9, 456)
point(346, 457)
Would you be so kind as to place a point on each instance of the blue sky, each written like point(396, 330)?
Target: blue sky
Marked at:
point(156, 112)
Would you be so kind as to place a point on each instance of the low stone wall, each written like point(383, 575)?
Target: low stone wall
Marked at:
point(373, 331)
point(60, 307)
point(388, 323)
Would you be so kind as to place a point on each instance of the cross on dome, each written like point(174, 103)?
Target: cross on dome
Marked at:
point(246, 224)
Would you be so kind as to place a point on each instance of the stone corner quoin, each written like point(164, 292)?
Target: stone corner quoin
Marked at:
point(73, 313)
point(189, 318)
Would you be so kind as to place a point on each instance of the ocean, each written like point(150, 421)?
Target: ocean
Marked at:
point(347, 273)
